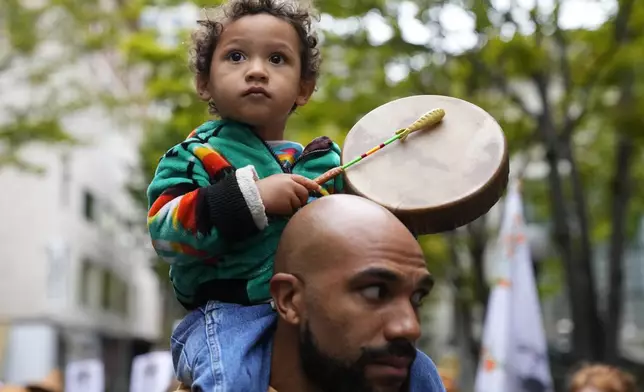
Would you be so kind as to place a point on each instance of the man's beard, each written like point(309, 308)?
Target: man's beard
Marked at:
point(334, 375)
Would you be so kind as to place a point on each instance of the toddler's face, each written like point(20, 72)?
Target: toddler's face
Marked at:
point(255, 71)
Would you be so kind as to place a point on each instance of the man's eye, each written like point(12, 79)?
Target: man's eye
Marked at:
point(235, 57)
point(374, 293)
point(276, 59)
point(417, 299)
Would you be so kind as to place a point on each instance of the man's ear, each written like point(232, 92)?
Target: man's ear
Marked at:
point(286, 290)
point(306, 90)
point(201, 83)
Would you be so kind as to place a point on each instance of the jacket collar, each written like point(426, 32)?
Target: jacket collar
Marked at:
point(232, 130)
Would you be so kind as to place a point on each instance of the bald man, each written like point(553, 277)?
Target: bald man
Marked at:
point(349, 281)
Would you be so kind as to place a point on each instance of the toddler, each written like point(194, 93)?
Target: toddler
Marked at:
point(220, 199)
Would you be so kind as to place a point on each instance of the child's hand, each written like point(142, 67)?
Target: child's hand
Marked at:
point(283, 194)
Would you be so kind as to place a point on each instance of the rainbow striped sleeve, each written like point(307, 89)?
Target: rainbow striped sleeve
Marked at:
point(195, 205)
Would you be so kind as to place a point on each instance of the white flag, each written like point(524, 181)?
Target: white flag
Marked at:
point(514, 353)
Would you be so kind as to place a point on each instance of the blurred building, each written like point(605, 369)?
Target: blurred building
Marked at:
point(75, 274)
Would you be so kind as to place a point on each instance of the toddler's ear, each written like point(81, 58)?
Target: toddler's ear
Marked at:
point(306, 90)
point(201, 83)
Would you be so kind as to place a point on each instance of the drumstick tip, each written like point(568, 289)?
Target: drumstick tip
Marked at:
point(427, 120)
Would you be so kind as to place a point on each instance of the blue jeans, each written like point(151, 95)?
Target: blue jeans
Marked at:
point(224, 347)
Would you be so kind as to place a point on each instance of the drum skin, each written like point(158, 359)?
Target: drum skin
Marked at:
point(437, 179)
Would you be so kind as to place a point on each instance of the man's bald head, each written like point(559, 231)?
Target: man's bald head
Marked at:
point(343, 221)
point(349, 280)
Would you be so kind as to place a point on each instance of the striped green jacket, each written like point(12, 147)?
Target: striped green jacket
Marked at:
point(206, 218)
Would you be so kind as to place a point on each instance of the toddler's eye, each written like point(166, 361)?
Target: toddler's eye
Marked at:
point(276, 59)
point(235, 57)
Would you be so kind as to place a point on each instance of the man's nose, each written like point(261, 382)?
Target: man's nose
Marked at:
point(403, 323)
point(256, 71)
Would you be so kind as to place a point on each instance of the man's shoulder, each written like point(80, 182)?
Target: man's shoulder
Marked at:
point(424, 375)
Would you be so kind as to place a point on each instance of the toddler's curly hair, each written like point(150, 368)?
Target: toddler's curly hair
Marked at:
point(295, 12)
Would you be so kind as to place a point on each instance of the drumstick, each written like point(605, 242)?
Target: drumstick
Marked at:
point(427, 120)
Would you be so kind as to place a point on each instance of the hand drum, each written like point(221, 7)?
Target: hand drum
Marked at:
point(437, 179)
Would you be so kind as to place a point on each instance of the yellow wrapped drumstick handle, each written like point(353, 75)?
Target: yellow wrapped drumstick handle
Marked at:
point(430, 118)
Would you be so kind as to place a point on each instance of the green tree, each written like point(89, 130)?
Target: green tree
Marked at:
point(41, 44)
point(24, 122)
point(572, 73)
point(588, 65)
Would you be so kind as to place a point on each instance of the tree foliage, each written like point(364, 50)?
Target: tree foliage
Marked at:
point(42, 45)
point(21, 124)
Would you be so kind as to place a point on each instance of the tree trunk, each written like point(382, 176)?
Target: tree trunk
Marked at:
point(622, 192)
point(621, 196)
point(577, 292)
point(462, 305)
point(478, 240)
point(583, 261)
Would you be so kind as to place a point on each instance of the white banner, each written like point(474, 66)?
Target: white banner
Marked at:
point(85, 376)
point(514, 352)
point(152, 372)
